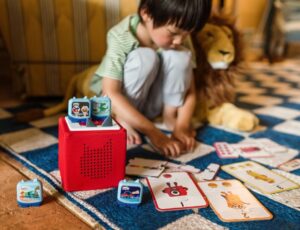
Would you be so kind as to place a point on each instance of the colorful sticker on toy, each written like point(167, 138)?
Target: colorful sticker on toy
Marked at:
point(101, 108)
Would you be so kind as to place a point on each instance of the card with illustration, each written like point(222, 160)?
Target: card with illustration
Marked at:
point(259, 177)
point(249, 150)
point(175, 191)
point(232, 201)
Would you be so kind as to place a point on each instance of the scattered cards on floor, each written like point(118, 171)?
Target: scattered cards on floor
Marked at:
point(232, 201)
point(175, 191)
point(145, 167)
point(259, 177)
point(209, 173)
point(290, 165)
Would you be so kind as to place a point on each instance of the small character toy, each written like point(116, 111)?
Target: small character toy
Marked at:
point(101, 108)
point(29, 193)
point(130, 192)
point(79, 109)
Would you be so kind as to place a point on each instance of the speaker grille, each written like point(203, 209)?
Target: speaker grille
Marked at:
point(96, 162)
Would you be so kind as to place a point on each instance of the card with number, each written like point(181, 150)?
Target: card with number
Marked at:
point(232, 201)
point(175, 191)
point(259, 177)
point(225, 150)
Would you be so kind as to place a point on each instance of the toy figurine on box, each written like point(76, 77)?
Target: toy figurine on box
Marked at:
point(94, 112)
point(130, 192)
point(29, 193)
point(79, 109)
point(101, 108)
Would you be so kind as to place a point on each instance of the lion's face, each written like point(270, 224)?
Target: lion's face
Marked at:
point(218, 45)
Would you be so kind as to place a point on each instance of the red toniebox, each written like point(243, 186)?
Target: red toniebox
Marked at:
point(91, 157)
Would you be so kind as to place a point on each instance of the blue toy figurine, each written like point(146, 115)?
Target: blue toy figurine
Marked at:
point(79, 109)
point(29, 193)
point(101, 108)
point(130, 192)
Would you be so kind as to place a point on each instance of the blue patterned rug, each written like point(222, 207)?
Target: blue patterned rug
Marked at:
point(272, 92)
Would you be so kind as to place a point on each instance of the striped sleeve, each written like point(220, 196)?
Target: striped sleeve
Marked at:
point(112, 64)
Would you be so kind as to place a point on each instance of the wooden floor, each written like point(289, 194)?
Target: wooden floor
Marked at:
point(50, 215)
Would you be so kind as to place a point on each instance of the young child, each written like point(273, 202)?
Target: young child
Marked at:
point(147, 72)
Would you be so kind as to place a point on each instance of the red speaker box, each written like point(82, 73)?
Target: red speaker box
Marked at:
point(92, 159)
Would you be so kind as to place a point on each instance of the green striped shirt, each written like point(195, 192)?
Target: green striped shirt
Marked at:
point(121, 40)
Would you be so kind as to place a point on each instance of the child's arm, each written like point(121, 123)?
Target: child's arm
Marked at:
point(130, 115)
point(183, 130)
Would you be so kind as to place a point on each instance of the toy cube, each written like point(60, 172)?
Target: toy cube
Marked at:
point(29, 193)
point(91, 159)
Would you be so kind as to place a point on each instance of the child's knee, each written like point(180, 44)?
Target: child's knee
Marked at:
point(179, 61)
point(144, 61)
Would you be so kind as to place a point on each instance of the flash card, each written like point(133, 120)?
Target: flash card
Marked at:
point(259, 177)
point(200, 150)
point(290, 165)
point(249, 150)
point(175, 191)
point(209, 173)
point(232, 201)
point(271, 146)
point(225, 150)
point(278, 158)
point(145, 167)
point(173, 167)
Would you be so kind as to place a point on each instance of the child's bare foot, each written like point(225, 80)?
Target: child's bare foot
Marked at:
point(133, 138)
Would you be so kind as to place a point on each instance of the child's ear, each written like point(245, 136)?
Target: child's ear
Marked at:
point(144, 15)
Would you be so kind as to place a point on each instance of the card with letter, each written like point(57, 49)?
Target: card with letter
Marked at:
point(175, 191)
point(259, 177)
point(232, 201)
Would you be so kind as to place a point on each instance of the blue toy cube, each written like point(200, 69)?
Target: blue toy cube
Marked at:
point(130, 192)
point(29, 193)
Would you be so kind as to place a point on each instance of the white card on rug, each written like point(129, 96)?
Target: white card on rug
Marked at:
point(270, 145)
point(277, 158)
point(225, 150)
point(172, 167)
point(147, 162)
point(249, 150)
point(279, 112)
point(232, 201)
point(200, 150)
point(289, 127)
point(143, 171)
point(209, 173)
point(259, 177)
point(290, 165)
point(175, 191)
point(145, 167)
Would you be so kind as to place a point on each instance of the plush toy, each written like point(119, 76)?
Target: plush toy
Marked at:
point(218, 52)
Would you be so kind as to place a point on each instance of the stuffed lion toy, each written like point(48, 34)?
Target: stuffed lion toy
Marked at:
point(217, 54)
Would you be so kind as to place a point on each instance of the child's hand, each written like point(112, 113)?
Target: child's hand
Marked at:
point(166, 145)
point(186, 136)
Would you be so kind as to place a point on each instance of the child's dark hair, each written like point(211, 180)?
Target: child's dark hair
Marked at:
point(188, 15)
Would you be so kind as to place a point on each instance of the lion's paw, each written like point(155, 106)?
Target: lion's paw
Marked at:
point(230, 116)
